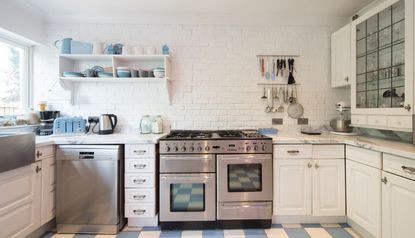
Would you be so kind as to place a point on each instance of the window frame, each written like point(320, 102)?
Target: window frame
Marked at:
point(26, 87)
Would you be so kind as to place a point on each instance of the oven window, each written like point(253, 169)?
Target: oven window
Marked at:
point(244, 177)
point(187, 197)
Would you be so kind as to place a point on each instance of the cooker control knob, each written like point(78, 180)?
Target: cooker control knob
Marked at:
point(264, 148)
point(175, 149)
point(191, 149)
point(167, 148)
point(199, 148)
point(207, 148)
point(248, 148)
point(256, 148)
point(183, 149)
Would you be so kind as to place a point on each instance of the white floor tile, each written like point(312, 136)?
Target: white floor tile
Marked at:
point(105, 236)
point(149, 234)
point(192, 234)
point(276, 233)
point(234, 233)
point(318, 233)
point(63, 236)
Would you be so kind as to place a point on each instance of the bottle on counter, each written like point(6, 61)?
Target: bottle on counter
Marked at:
point(157, 125)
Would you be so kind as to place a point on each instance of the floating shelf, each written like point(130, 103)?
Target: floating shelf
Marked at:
point(114, 80)
point(92, 57)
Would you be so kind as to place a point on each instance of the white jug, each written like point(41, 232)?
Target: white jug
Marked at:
point(145, 125)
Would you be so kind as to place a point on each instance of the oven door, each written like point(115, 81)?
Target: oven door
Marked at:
point(187, 197)
point(244, 178)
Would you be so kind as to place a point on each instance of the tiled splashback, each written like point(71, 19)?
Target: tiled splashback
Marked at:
point(214, 73)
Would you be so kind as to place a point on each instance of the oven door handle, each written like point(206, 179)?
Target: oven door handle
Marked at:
point(242, 158)
point(246, 206)
point(187, 157)
point(194, 179)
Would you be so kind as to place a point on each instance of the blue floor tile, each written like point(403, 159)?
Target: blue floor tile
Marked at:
point(151, 228)
point(128, 234)
point(171, 234)
point(84, 236)
point(213, 233)
point(255, 233)
point(276, 226)
point(344, 225)
point(338, 232)
point(297, 233)
point(311, 225)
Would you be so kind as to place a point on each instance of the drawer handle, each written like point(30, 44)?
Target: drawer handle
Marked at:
point(139, 197)
point(140, 152)
point(139, 181)
point(139, 211)
point(410, 170)
point(38, 154)
point(293, 152)
point(140, 166)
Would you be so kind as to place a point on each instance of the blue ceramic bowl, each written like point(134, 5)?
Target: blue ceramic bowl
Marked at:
point(123, 74)
point(72, 74)
point(105, 75)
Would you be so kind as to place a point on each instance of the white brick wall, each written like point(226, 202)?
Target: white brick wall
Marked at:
point(214, 73)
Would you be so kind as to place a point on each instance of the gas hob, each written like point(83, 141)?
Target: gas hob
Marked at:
point(215, 142)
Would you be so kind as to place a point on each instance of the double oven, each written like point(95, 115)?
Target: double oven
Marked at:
point(216, 179)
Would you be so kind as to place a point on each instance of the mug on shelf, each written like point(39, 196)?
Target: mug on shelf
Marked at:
point(138, 50)
point(98, 48)
point(126, 50)
point(150, 50)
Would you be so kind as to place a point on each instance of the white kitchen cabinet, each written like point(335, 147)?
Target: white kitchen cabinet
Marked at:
point(364, 196)
point(140, 185)
point(309, 186)
point(292, 187)
point(329, 187)
point(48, 189)
point(20, 201)
point(382, 62)
point(340, 57)
point(398, 209)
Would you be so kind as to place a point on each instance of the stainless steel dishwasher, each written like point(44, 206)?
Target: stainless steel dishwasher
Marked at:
point(90, 196)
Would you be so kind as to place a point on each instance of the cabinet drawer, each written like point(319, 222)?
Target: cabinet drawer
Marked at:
point(328, 151)
point(139, 180)
point(140, 151)
point(399, 165)
point(140, 195)
point(140, 210)
point(376, 120)
point(364, 156)
point(292, 151)
point(400, 122)
point(140, 165)
point(44, 151)
point(359, 119)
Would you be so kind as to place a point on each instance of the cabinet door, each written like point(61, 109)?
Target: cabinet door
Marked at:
point(364, 196)
point(340, 57)
point(398, 199)
point(20, 201)
point(48, 189)
point(292, 187)
point(329, 187)
point(382, 60)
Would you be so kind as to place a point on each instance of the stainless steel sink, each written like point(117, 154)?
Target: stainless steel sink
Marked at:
point(16, 150)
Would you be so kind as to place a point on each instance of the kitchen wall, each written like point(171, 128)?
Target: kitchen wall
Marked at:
point(214, 73)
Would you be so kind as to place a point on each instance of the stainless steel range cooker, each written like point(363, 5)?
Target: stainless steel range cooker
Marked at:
point(223, 176)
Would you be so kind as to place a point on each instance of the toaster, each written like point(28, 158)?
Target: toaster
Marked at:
point(67, 125)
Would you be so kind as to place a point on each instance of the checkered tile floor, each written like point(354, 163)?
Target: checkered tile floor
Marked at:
point(276, 231)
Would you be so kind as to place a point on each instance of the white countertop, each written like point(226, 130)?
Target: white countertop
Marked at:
point(387, 146)
point(98, 139)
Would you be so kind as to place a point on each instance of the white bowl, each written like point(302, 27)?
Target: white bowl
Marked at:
point(159, 74)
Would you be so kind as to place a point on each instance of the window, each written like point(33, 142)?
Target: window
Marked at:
point(14, 77)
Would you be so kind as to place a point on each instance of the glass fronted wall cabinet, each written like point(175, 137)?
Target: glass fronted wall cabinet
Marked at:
point(382, 66)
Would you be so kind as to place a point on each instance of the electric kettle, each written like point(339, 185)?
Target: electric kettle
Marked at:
point(107, 123)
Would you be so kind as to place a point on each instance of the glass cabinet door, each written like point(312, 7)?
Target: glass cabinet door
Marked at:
point(380, 59)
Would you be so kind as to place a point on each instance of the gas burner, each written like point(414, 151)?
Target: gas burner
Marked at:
point(182, 134)
point(230, 134)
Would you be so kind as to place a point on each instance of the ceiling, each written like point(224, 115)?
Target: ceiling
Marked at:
point(250, 8)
